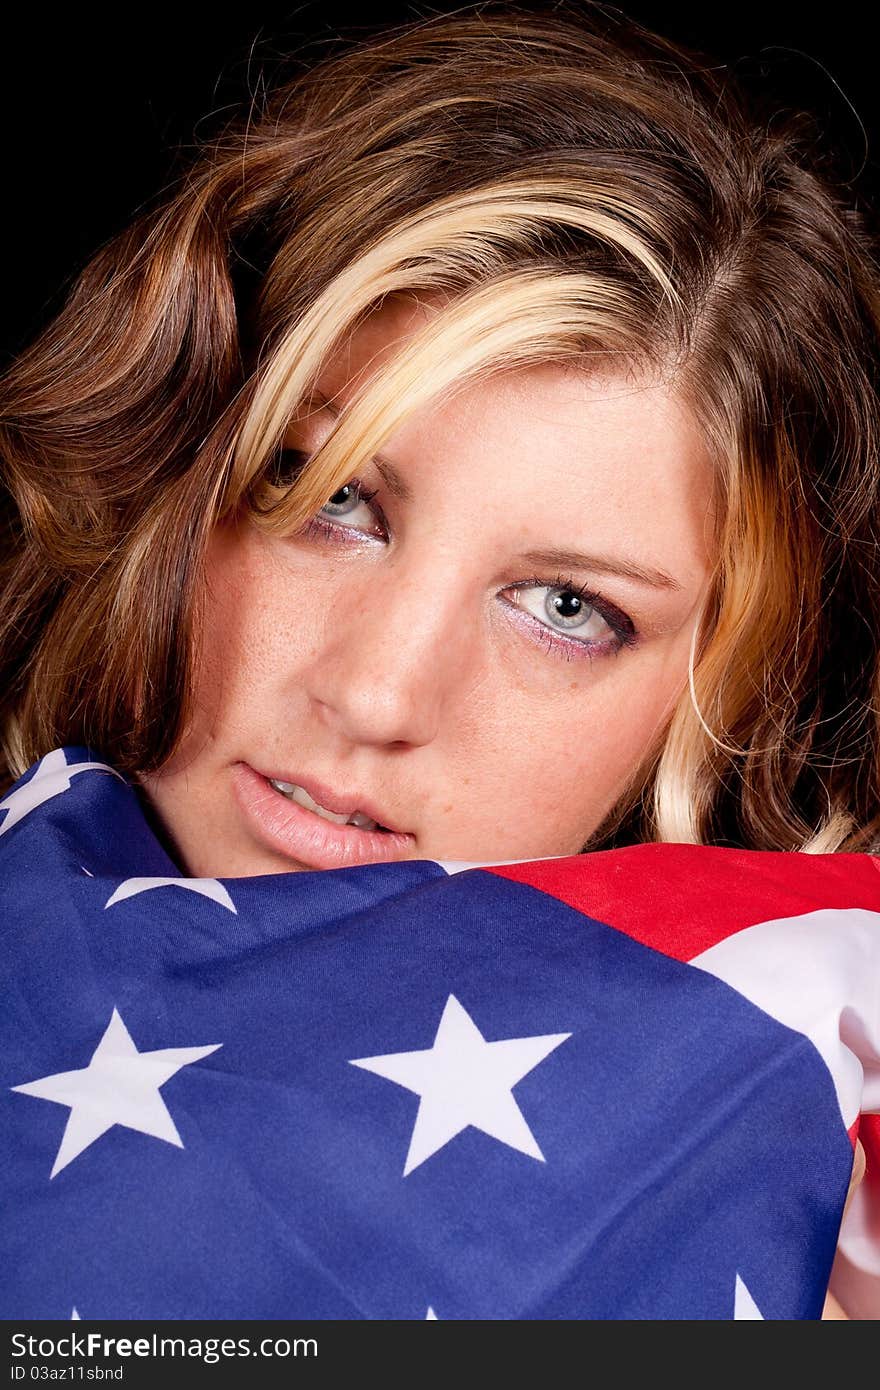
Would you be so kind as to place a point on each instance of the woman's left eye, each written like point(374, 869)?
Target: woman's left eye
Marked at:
point(574, 617)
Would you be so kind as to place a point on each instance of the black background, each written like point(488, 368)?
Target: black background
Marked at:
point(100, 106)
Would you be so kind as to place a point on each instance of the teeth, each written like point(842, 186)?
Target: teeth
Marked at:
point(302, 798)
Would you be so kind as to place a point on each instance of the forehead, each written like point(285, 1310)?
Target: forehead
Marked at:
point(567, 443)
point(575, 393)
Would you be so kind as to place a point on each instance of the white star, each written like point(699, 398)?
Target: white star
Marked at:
point(431, 1316)
point(744, 1306)
point(75, 1317)
point(52, 776)
point(120, 1086)
point(208, 887)
point(464, 1080)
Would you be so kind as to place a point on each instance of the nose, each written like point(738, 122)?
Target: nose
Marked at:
point(392, 655)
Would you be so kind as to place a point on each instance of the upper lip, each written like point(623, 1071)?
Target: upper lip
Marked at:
point(341, 803)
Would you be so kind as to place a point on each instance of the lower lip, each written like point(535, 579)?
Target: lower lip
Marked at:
point(302, 835)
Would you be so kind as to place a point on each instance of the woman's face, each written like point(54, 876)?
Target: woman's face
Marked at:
point(421, 656)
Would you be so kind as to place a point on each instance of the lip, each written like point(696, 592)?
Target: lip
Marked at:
point(341, 806)
point(302, 835)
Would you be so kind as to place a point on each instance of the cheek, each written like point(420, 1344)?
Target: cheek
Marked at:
point(631, 717)
point(250, 635)
point(563, 764)
point(565, 770)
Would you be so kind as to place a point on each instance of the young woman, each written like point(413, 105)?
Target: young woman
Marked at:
point(474, 457)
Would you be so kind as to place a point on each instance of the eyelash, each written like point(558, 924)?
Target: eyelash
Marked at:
point(624, 630)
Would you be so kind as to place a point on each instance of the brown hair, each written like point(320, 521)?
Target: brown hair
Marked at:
point(575, 187)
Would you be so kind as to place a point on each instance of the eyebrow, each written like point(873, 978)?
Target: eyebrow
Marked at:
point(552, 558)
point(601, 564)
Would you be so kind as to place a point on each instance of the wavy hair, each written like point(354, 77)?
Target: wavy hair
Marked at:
point(570, 187)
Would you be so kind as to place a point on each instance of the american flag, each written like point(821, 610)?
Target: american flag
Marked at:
point(619, 1085)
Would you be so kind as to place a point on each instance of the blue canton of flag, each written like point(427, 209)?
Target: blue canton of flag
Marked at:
point(620, 1085)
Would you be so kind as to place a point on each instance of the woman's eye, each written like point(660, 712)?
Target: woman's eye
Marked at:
point(574, 614)
point(347, 502)
point(348, 513)
point(343, 509)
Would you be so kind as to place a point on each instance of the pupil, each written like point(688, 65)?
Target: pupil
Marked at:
point(567, 601)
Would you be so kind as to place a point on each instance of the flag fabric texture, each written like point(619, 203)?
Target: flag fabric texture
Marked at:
point(619, 1085)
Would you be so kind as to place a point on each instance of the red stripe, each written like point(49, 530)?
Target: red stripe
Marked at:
point(682, 899)
point(869, 1133)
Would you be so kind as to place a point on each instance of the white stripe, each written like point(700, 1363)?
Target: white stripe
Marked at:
point(819, 974)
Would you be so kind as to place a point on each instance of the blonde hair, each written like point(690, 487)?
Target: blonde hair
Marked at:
point(569, 187)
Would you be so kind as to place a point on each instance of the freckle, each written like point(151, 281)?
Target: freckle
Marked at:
point(447, 809)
